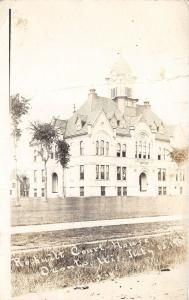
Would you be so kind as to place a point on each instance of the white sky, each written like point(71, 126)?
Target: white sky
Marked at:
point(62, 44)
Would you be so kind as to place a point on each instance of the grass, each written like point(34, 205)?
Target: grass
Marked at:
point(84, 263)
point(65, 237)
point(36, 211)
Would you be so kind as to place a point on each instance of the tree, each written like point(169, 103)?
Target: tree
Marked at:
point(44, 135)
point(179, 155)
point(19, 106)
point(63, 157)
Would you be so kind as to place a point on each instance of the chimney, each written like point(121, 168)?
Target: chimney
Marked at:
point(92, 95)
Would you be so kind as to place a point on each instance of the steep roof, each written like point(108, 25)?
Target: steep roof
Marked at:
point(89, 111)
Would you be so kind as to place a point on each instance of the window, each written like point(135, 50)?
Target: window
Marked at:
point(176, 177)
point(103, 190)
point(124, 191)
point(82, 191)
point(164, 190)
point(149, 151)
point(114, 92)
point(164, 174)
point(159, 190)
point(81, 148)
point(35, 155)
point(118, 150)
point(35, 192)
point(52, 155)
point(107, 148)
point(144, 150)
point(159, 153)
point(119, 191)
point(35, 175)
point(124, 150)
point(159, 174)
point(118, 173)
point(82, 172)
point(97, 147)
point(136, 150)
point(42, 192)
point(102, 172)
point(181, 190)
point(123, 173)
point(13, 185)
point(43, 175)
point(101, 147)
point(140, 150)
point(97, 171)
point(118, 123)
point(107, 172)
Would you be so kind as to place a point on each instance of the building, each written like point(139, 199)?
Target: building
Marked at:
point(118, 146)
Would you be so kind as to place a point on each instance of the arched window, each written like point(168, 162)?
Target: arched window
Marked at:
point(107, 148)
point(54, 183)
point(118, 149)
point(81, 148)
point(101, 147)
point(97, 147)
point(124, 150)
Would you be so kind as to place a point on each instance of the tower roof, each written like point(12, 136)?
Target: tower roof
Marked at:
point(121, 69)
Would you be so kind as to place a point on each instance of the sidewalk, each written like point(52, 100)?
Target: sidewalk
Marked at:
point(168, 285)
point(88, 224)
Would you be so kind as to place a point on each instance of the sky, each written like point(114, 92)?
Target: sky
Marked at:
point(61, 48)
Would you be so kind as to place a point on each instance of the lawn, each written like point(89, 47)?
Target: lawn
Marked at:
point(22, 242)
point(37, 211)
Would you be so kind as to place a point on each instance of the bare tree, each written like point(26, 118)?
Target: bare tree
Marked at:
point(19, 106)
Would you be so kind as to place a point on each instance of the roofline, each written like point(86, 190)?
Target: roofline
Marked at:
point(75, 135)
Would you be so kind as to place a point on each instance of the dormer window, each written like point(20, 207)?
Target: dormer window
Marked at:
point(78, 124)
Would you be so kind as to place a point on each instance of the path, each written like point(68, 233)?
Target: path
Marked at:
point(88, 224)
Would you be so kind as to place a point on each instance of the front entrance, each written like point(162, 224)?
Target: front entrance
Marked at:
point(54, 183)
point(143, 182)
